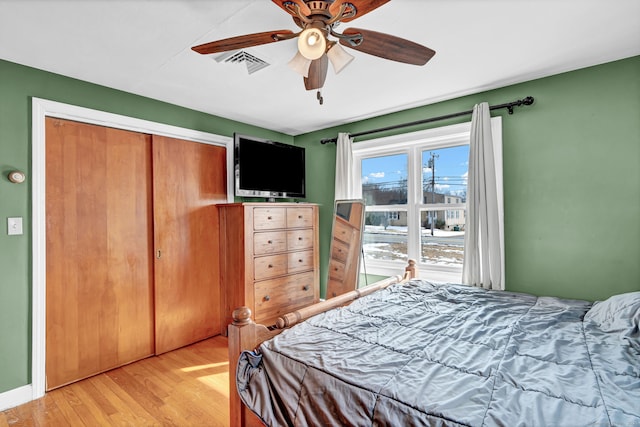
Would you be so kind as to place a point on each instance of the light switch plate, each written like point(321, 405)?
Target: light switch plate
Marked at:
point(14, 226)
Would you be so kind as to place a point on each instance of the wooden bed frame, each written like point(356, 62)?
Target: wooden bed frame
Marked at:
point(245, 334)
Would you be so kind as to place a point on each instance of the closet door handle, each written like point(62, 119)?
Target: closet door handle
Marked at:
point(158, 254)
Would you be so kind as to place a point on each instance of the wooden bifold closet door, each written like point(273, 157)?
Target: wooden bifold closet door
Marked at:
point(112, 297)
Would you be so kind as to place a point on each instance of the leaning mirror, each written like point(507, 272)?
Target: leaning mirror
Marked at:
point(346, 246)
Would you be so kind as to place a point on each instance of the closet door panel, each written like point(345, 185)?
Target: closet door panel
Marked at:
point(189, 179)
point(99, 250)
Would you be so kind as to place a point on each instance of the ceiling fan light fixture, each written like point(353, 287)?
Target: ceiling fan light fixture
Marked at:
point(317, 44)
point(312, 43)
point(339, 57)
point(300, 64)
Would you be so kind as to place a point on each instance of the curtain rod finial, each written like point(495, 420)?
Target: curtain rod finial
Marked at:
point(527, 101)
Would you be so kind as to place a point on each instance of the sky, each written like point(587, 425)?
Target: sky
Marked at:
point(451, 169)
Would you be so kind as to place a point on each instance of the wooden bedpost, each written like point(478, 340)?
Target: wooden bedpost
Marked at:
point(244, 334)
point(411, 271)
point(238, 338)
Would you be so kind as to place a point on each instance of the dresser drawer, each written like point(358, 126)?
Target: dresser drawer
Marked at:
point(268, 266)
point(300, 239)
point(269, 242)
point(300, 261)
point(276, 297)
point(299, 217)
point(269, 218)
point(338, 287)
point(336, 269)
point(339, 250)
point(343, 231)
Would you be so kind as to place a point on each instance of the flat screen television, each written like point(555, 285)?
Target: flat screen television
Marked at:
point(268, 169)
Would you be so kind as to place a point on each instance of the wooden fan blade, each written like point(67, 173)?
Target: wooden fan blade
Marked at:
point(304, 9)
point(362, 7)
point(240, 42)
point(389, 47)
point(317, 73)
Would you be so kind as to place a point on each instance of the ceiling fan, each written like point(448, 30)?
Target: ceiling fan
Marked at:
point(318, 20)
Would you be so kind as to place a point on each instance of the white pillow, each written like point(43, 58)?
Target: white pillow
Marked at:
point(616, 313)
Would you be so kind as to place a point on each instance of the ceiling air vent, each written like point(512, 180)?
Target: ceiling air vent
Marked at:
point(252, 62)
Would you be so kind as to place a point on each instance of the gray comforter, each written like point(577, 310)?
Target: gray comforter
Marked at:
point(425, 354)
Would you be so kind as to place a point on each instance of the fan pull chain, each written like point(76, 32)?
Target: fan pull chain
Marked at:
point(320, 98)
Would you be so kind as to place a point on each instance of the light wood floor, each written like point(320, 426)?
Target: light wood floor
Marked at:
point(185, 387)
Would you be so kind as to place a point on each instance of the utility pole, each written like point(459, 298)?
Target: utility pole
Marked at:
point(432, 165)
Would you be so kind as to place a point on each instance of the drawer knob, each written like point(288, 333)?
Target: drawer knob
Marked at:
point(300, 238)
point(299, 216)
point(300, 260)
point(269, 242)
point(270, 266)
point(269, 217)
point(267, 297)
point(305, 288)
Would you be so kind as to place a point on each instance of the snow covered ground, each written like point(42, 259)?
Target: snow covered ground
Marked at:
point(394, 229)
point(443, 248)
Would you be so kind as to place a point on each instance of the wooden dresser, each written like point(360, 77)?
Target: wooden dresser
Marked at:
point(269, 259)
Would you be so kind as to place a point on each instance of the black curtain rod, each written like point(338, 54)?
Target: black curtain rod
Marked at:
point(509, 106)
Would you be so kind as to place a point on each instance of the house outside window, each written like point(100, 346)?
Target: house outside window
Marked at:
point(414, 187)
point(394, 216)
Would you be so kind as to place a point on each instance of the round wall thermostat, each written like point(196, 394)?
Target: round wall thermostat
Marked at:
point(16, 176)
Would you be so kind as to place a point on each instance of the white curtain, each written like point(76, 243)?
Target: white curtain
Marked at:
point(344, 187)
point(482, 244)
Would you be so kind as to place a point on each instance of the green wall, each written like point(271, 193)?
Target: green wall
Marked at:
point(571, 179)
point(18, 84)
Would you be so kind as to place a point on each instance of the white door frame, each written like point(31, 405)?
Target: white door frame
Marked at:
point(42, 108)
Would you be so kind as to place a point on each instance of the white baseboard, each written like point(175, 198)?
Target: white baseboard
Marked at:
point(15, 397)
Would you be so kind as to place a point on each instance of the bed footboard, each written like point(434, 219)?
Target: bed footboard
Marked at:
point(245, 334)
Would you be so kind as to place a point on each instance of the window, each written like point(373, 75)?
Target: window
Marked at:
point(414, 187)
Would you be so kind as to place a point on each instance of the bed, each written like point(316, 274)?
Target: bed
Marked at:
point(412, 353)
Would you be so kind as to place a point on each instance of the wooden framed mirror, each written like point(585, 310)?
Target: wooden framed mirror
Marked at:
point(346, 246)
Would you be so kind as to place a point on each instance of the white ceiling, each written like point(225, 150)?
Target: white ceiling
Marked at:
point(144, 47)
